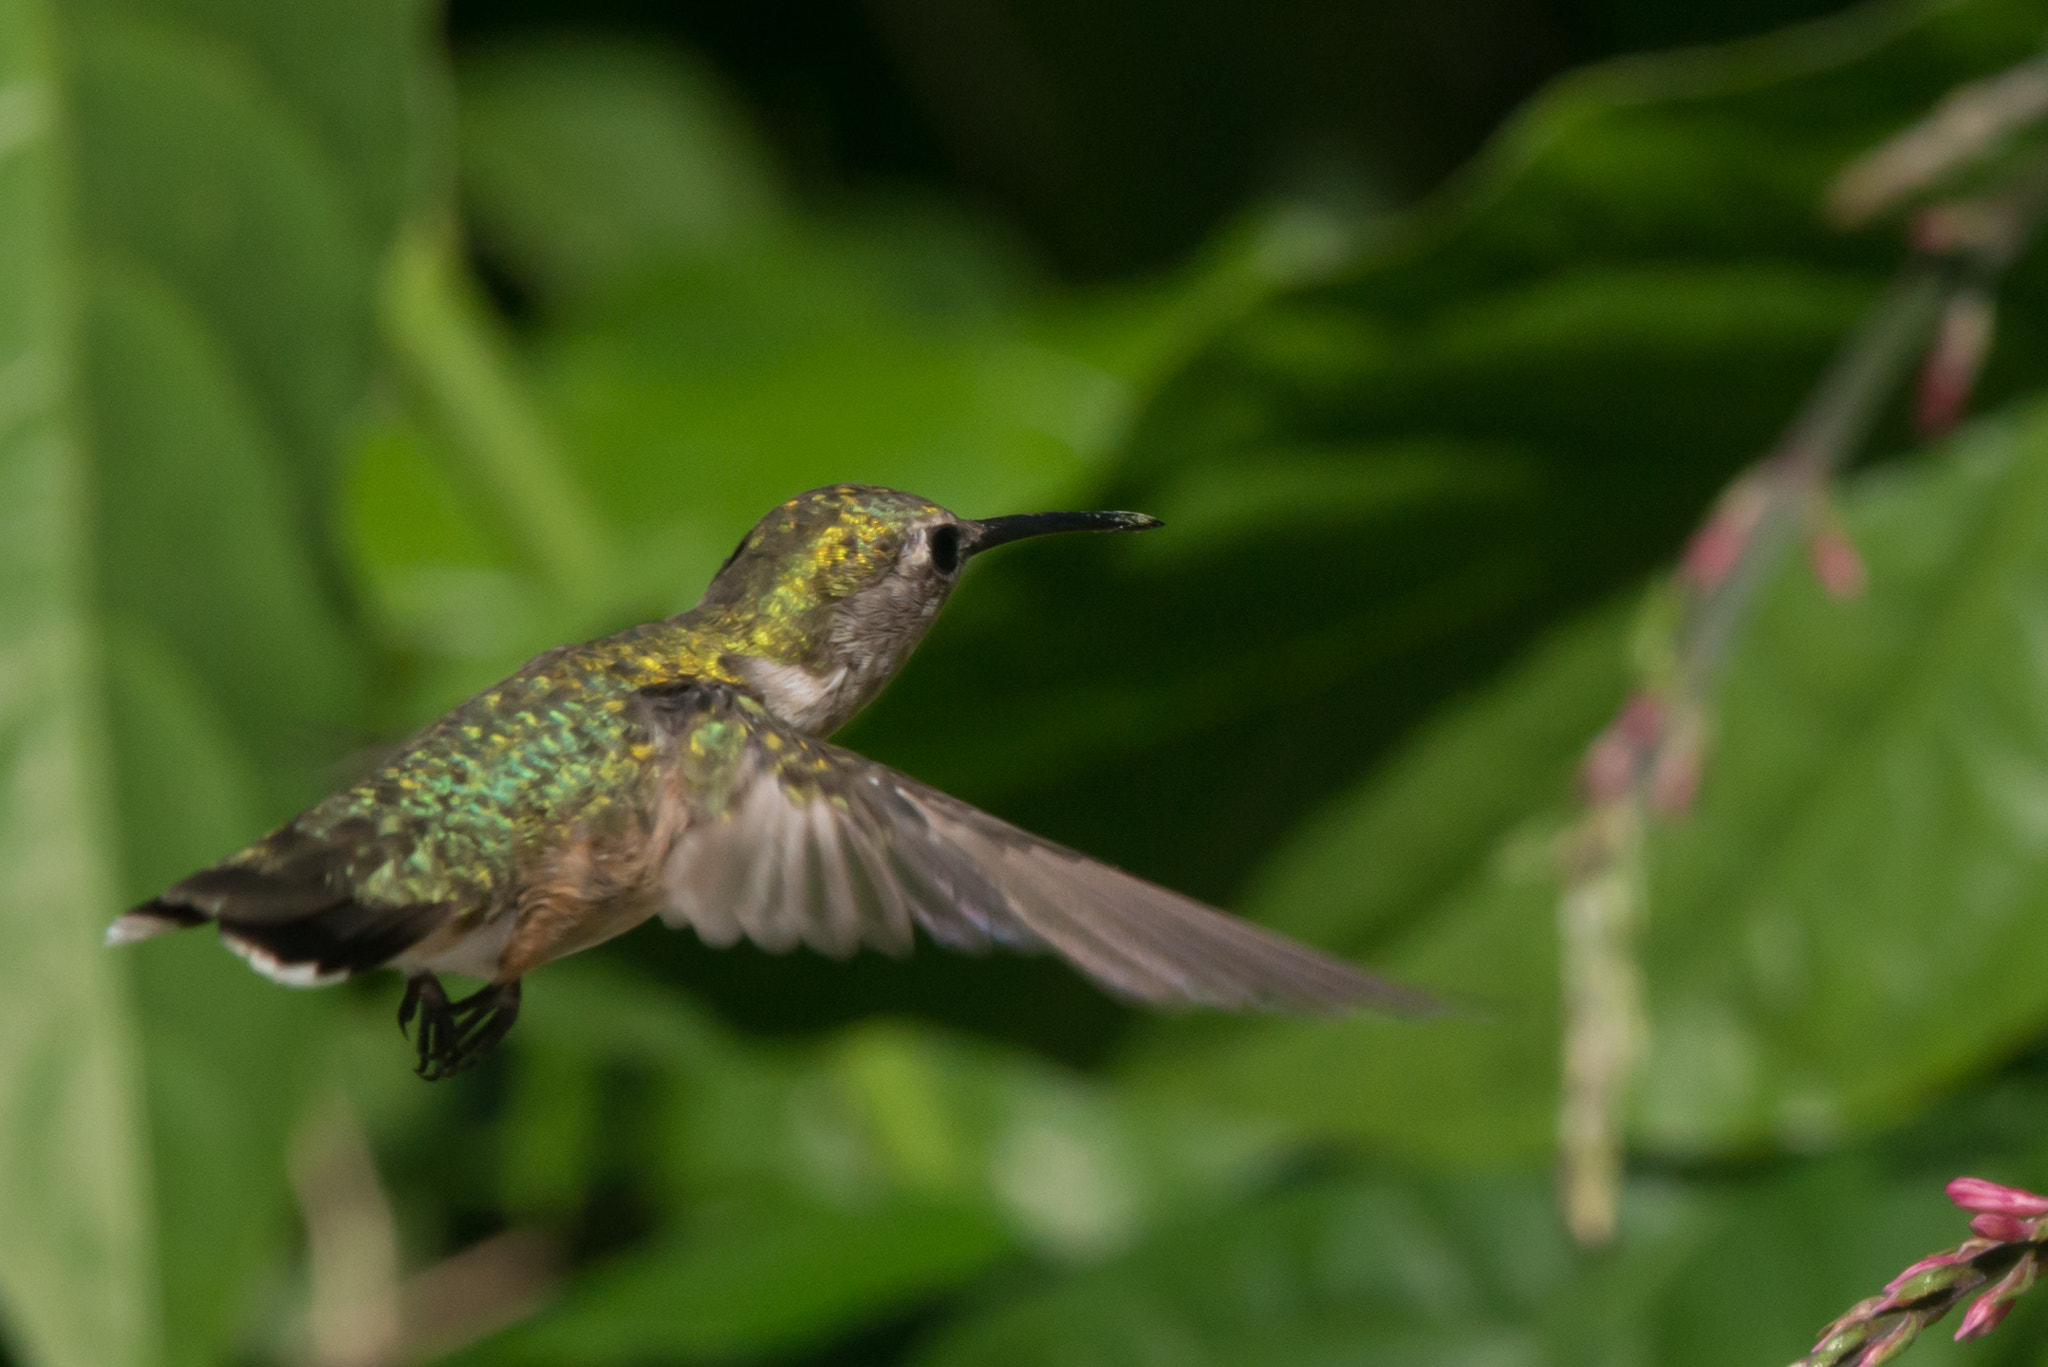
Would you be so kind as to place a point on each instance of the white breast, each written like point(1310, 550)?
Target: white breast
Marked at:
point(806, 700)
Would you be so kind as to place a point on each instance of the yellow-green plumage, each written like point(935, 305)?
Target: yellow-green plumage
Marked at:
point(556, 742)
point(559, 742)
point(679, 769)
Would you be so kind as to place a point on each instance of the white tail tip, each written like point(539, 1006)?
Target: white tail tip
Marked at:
point(140, 925)
point(276, 969)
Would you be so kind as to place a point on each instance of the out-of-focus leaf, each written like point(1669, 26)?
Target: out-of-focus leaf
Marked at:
point(756, 1278)
point(584, 161)
point(228, 585)
point(205, 159)
point(1441, 865)
point(227, 1052)
point(704, 358)
point(1435, 818)
point(77, 1262)
point(813, 1191)
point(440, 335)
point(192, 334)
point(1711, 1273)
point(1351, 1271)
point(1843, 925)
point(1625, 297)
point(1792, 1252)
point(886, 1109)
point(1855, 915)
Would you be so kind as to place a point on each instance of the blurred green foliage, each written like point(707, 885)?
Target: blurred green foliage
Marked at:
point(280, 479)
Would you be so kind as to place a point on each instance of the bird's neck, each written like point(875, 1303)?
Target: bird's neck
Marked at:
point(809, 674)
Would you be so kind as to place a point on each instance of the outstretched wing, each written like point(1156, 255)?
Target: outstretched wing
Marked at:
point(788, 840)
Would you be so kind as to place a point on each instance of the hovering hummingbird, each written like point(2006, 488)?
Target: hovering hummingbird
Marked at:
point(679, 769)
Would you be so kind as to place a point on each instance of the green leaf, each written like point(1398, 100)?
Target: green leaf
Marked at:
point(77, 1265)
point(1434, 820)
point(1400, 1270)
point(227, 1052)
point(584, 161)
point(1843, 926)
point(756, 1278)
point(1353, 1271)
point(1440, 867)
point(811, 1191)
point(704, 356)
point(1714, 1269)
point(195, 164)
point(190, 334)
point(1855, 915)
point(1623, 298)
point(496, 444)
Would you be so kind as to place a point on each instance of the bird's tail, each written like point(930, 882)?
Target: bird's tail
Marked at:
point(287, 906)
point(153, 918)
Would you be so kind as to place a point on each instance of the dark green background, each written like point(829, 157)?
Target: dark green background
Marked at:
point(391, 347)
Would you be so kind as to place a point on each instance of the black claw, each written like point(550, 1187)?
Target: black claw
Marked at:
point(455, 1035)
point(422, 991)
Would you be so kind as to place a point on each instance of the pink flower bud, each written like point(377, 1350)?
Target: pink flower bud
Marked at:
point(1836, 562)
point(1675, 782)
point(1961, 342)
point(1855, 1318)
point(1892, 1344)
point(1718, 545)
point(1925, 1264)
point(1675, 774)
point(1984, 1315)
point(1979, 227)
point(1712, 552)
point(1990, 1198)
point(1641, 718)
point(1610, 766)
point(1611, 762)
point(2006, 1229)
point(1940, 229)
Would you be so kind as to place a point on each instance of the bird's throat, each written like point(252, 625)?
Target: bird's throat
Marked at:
point(815, 702)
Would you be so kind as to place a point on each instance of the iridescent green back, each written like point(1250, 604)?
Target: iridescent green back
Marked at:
point(557, 743)
point(562, 743)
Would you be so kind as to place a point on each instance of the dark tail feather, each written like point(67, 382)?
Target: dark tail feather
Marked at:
point(329, 945)
point(153, 918)
point(292, 915)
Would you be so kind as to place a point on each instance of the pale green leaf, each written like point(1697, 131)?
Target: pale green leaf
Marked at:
point(77, 1266)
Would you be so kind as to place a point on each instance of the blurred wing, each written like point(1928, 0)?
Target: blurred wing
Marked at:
point(787, 840)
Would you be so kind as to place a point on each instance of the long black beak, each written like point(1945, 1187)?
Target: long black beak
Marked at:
point(995, 531)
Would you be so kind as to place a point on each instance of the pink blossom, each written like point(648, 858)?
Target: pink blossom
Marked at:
point(1949, 1259)
point(1610, 766)
point(1641, 718)
point(1713, 551)
point(1718, 545)
point(1836, 562)
point(1855, 1315)
point(1991, 1198)
point(1675, 780)
point(1961, 342)
point(1983, 1316)
point(2006, 1229)
point(1891, 1345)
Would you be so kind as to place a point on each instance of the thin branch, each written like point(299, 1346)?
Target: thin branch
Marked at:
point(2009, 1229)
point(1648, 761)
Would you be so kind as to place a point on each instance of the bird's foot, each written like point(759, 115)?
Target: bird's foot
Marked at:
point(454, 1035)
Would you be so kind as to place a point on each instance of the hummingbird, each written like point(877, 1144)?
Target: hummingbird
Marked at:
point(680, 769)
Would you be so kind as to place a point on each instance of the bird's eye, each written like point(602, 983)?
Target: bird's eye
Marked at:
point(945, 547)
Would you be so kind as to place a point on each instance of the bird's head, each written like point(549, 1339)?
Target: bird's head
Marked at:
point(824, 599)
